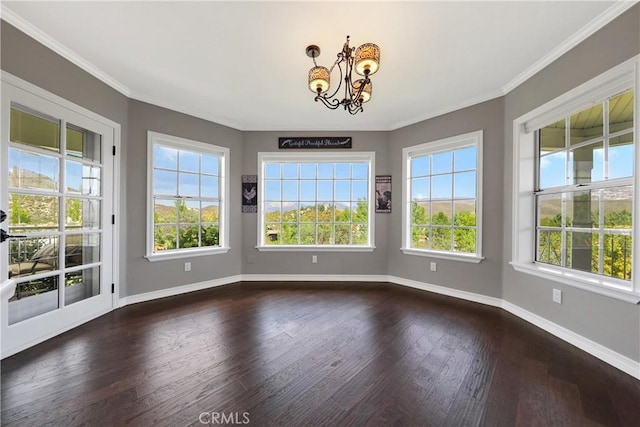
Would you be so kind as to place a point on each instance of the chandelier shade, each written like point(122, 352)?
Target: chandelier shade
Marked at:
point(365, 61)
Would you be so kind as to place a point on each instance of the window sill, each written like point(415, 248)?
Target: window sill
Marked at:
point(596, 285)
point(443, 255)
point(327, 248)
point(185, 254)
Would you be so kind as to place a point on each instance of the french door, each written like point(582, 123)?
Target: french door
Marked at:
point(56, 166)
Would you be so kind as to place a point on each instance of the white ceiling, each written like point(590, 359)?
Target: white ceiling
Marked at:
point(243, 64)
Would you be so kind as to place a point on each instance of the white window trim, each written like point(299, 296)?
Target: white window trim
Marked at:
point(188, 144)
point(361, 156)
point(625, 75)
point(446, 144)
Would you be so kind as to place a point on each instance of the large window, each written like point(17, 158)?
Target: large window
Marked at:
point(317, 202)
point(576, 187)
point(186, 197)
point(442, 194)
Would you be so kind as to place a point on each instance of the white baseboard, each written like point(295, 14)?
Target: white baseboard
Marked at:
point(177, 290)
point(603, 353)
point(451, 292)
point(314, 278)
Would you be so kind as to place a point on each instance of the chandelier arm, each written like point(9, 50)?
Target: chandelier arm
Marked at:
point(340, 81)
point(332, 104)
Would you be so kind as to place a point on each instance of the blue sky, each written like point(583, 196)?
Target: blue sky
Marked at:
point(444, 175)
point(184, 178)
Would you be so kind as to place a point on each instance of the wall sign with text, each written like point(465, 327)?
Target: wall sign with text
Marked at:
point(315, 142)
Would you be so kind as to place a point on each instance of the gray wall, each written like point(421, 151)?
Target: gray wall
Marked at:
point(24, 57)
point(482, 278)
point(144, 276)
point(297, 262)
point(607, 321)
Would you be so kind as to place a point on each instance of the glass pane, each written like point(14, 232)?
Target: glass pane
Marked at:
point(165, 182)
point(325, 234)
point(359, 211)
point(618, 207)
point(550, 247)
point(307, 170)
point(272, 211)
point(359, 170)
point(580, 250)
point(189, 185)
point(464, 240)
point(464, 185)
point(189, 236)
point(290, 234)
point(586, 124)
point(210, 164)
point(343, 213)
point(165, 157)
point(464, 212)
point(552, 137)
point(582, 209)
point(307, 190)
point(272, 190)
point(290, 212)
point(464, 158)
point(307, 234)
point(307, 212)
point(586, 164)
point(210, 235)
point(164, 238)
point(441, 239)
point(552, 170)
point(359, 190)
point(325, 212)
point(210, 212)
point(188, 161)
point(272, 234)
point(343, 236)
point(441, 213)
point(165, 211)
point(33, 298)
point(82, 249)
point(35, 131)
point(621, 112)
point(325, 170)
point(359, 234)
point(420, 166)
point(80, 285)
point(210, 186)
point(33, 171)
point(617, 256)
point(82, 179)
point(343, 190)
point(420, 189)
point(343, 170)
point(188, 211)
point(325, 190)
point(441, 187)
point(420, 237)
point(290, 170)
point(35, 255)
point(84, 144)
point(420, 213)
point(621, 155)
point(442, 162)
point(32, 214)
point(82, 214)
point(290, 190)
point(550, 210)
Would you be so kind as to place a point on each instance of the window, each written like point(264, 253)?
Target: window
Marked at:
point(576, 192)
point(317, 202)
point(443, 195)
point(187, 212)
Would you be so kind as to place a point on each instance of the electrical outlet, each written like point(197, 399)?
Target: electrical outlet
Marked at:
point(557, 296)
point(433, 266)
point(187, 266)
point(314, 259)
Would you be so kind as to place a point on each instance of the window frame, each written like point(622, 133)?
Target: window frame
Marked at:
point(154, 138)
point(298, 157)
point(618, 79)
point(429, 148)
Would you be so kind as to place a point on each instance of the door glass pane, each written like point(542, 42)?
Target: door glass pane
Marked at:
point(33, 171)
point(80, 285)
point(621, 112)
point(84, 144)
point(82, 249)
point(586, 124)
point(82, 214)
point(33, 298)
point(83, 179)
point(36, 131)
point(34, 255)
point(32, 213)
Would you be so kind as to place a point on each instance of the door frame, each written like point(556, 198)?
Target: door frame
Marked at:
point(115, 130)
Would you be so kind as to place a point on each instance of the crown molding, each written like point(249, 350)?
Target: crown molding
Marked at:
point(617, 9)
point(32, 31)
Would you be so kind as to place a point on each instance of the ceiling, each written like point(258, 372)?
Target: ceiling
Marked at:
point(243, 64)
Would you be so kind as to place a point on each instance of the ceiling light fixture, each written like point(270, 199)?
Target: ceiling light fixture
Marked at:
point(365, 61)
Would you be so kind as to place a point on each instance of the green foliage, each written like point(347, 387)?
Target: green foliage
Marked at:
point(425, 236)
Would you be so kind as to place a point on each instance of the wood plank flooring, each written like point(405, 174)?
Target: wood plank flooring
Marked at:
point(303, 354)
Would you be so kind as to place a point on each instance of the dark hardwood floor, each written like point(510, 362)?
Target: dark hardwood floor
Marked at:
point(301, 354)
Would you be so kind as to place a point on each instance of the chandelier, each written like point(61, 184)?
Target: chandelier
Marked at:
point(365, 61)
